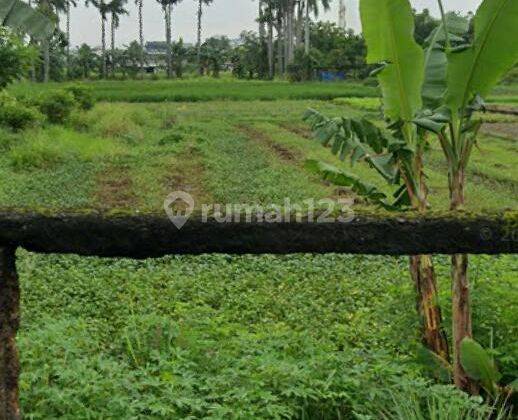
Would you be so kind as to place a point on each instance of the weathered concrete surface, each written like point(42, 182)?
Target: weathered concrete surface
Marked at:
point(146, 236)
point(9, 324)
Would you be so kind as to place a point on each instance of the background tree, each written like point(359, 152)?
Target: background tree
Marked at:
point(199, 34)
point(424, 25)
point(117, 8)
point(68, 5)
point(140, 7)
point(311, 6)
point(215, 51)
point(180, 56)
point(51, 9)
point(133, 58)
point(167, 6)
point(85, 61)
point(104, 10)
point(248, 58)
point(15, 57)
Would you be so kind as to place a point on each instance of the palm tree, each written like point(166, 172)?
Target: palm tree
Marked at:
point(140, 6)
point(117, 9)
point(68, 5)
point(104, 9)
point(51, 9)
point(312, 6)
point(167, 6)
point(200, 14)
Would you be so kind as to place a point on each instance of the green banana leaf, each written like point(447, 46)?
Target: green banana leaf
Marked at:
point(436, 60)
point(475, 71)
point(20, 16)
point(388, 27)
point(479, 365)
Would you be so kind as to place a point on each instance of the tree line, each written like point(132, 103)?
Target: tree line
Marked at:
point(283, 27)
point(289, 42)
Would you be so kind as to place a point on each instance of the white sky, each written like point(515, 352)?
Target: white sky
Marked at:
point(223, 17)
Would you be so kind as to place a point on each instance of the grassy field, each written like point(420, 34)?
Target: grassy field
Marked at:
point(220, 336)
point(200, 90)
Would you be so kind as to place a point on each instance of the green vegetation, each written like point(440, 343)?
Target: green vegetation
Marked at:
point(200, 90)
point(301, 336)
point(213, 336)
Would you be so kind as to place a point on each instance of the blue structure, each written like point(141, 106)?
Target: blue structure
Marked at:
point(331, 76)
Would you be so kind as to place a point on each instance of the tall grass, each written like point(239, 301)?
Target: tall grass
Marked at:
point(48, 148)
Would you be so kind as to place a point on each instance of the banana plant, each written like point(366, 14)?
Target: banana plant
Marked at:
point(19, 16)
point(481, 367)
point(462, 72)
point(397, 152)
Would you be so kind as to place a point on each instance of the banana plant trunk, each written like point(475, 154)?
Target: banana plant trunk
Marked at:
point(422, 270)
point(433, 335)
point(461, 301)
point(9, 324)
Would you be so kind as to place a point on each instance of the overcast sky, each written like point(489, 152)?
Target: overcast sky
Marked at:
point(223, 17)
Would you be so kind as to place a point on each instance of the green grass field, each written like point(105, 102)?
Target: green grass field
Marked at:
point(203, 89)
point(220, 336)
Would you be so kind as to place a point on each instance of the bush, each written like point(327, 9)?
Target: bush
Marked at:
point(14, 56)
point(35, 155)
point(83, 96)
point(57, 106)
point(16, 115)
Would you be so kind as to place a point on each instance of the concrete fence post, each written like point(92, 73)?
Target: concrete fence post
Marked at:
point(9, 323)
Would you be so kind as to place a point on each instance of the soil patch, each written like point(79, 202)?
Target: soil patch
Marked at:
point(295, 129)
point(505, 130)
point(282, 152)
point(115, 188)
point(187, 174)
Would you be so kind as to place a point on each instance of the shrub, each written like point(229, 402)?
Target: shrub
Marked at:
point(16, 115)
point(57, 106)
point(35, 155)
point(83, 96)
point(14, 56)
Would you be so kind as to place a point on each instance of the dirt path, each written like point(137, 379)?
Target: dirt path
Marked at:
point(258, 136)
point(187, 174)
point(504, 130)
point(115, 188)
point(303, 132)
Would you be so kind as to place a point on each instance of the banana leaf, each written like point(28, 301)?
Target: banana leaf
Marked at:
point(475, 70)
point(20, 16)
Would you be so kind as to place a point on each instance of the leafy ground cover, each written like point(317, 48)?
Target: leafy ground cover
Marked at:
point(132, 155)
point(219, 336)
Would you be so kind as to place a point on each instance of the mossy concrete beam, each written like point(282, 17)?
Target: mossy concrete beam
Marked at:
point(147, 236)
